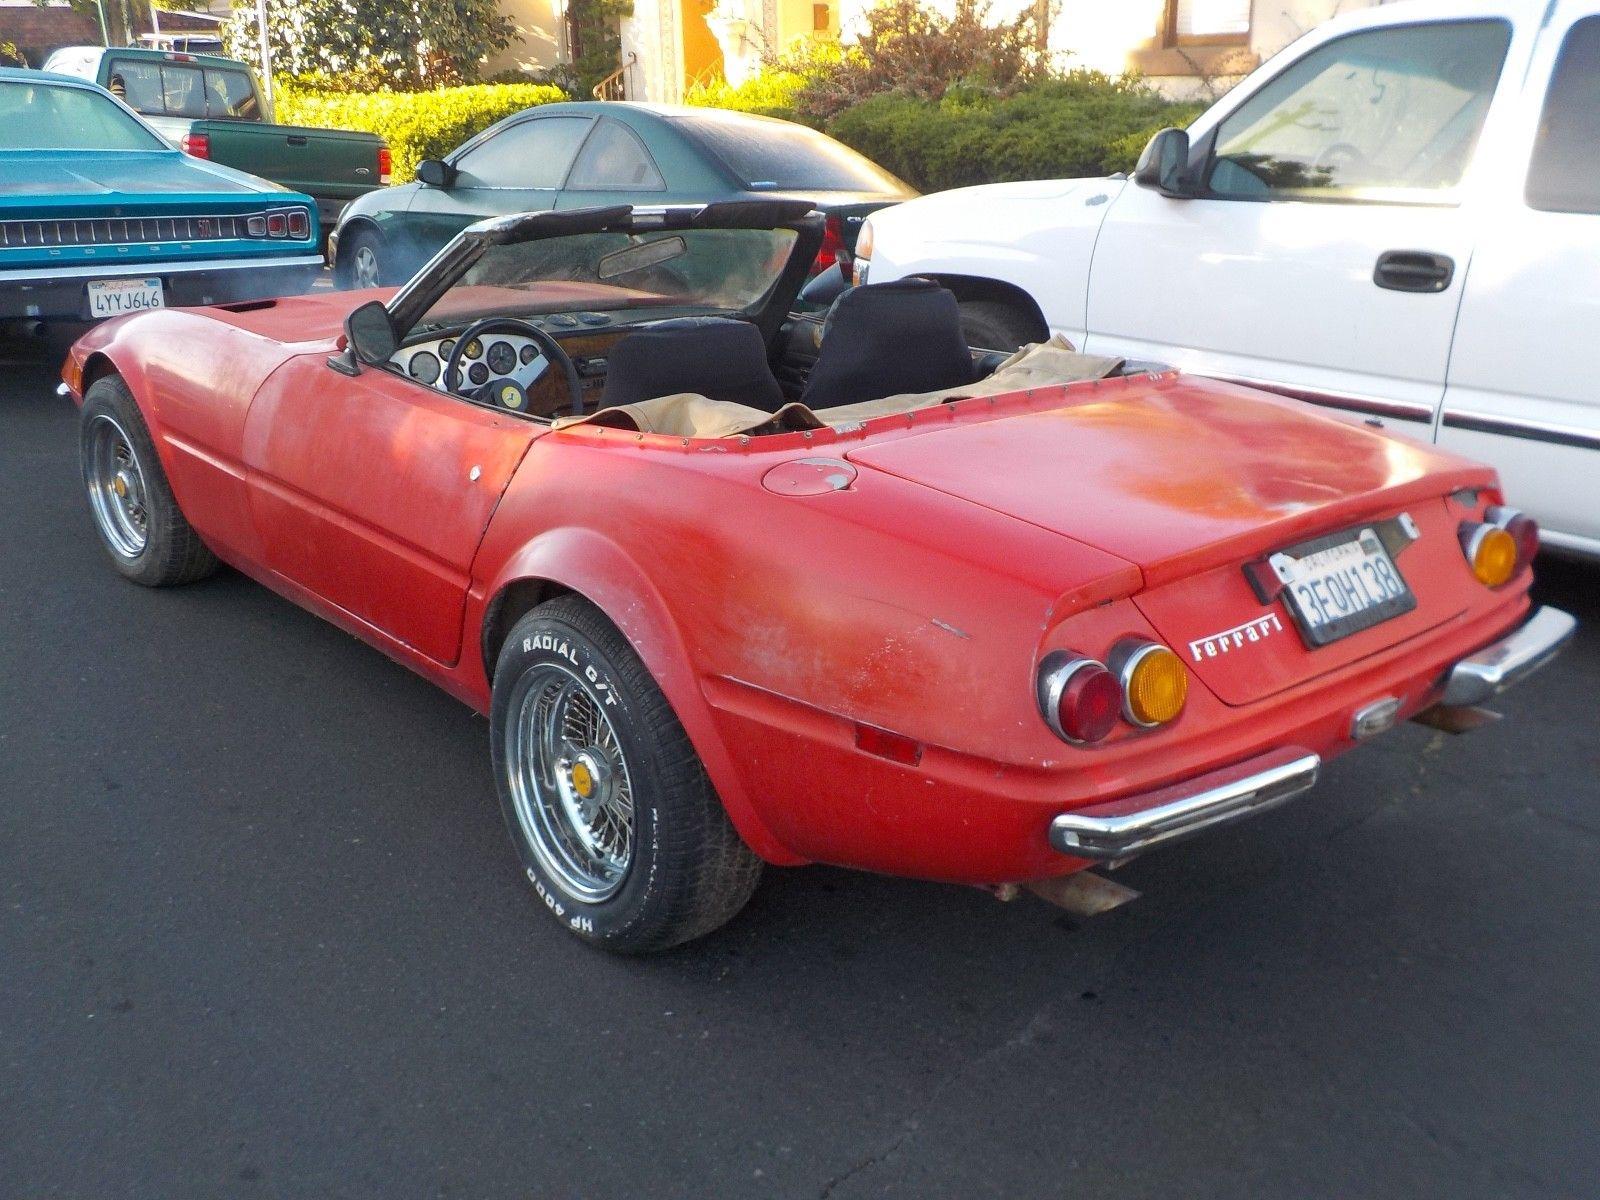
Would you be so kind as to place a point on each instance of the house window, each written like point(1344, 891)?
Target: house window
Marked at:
point(1207, 23)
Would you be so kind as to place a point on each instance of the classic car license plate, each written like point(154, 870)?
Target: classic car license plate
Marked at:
point(113, 297)
point(1342, 585)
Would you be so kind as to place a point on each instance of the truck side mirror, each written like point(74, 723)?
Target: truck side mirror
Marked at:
point(1164, 165)
point(435, 173)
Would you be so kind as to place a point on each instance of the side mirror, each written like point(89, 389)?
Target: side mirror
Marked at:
point(371, 333)
point(1164, 165)
point(435, 173)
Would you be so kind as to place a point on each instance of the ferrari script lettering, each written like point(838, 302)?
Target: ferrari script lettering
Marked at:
point(1235, 638)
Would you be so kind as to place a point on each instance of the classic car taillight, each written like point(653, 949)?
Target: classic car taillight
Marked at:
point(299, 223)
point(1079, 697)
point(1491, 552)
point(1523, 528)
point(256, 226)
point(277, 225)
point(833, 248)
point(1154, 681)
point(385, 165)
point(197, 145)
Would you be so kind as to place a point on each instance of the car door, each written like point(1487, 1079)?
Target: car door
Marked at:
point(1521, 392)
point(1325, 248)
point(373, 493)
point(517, 166)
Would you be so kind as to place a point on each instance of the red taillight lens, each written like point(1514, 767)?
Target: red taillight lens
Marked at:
point(833, 247)
point(385, 164)
point(1079, 698)
point(299, 223)
point(197, 145)
point(277, 225)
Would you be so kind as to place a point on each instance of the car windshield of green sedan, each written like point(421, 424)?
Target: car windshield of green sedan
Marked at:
point(729, 270)
point(48, 116)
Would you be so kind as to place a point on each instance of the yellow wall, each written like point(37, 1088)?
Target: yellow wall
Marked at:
point(538, 41)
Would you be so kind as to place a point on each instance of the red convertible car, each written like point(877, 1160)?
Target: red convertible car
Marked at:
point(735, 586)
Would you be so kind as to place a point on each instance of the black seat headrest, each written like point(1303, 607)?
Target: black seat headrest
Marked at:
point(882, 339)
point(717, 357)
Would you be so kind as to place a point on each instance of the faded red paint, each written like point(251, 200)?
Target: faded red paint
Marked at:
point(918, 600)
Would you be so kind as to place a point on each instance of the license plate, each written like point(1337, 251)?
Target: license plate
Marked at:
point(1340, 585)
point(113, 297)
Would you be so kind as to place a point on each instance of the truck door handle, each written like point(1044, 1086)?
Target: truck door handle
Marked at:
point(296, 139)
point(1413, 271)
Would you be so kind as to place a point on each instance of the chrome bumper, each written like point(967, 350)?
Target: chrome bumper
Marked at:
point(1495, 668)
point(1136, 823)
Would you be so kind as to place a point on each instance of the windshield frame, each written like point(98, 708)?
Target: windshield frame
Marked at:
point(430, 285)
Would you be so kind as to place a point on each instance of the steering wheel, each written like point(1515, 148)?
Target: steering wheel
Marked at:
point(552, 351)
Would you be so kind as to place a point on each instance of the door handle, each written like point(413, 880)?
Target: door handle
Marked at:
point(1413, 271)
point(296, 139)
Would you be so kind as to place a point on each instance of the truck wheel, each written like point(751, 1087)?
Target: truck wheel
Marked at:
point(363, 262)
point(138, 520)
point(618, 829)
point(996, 325)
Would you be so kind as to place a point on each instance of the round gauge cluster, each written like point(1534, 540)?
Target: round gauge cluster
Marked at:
point(424, 368)
point(528, 353)
point(478, 373)
point(502, 358)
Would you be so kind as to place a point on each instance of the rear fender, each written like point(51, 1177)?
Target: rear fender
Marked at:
point(597, 569)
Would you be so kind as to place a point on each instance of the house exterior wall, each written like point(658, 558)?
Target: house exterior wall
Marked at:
point(539, 42)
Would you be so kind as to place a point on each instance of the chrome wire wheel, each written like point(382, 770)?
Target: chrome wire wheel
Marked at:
point(569, 781)
point(118, 495)
point(364, 270)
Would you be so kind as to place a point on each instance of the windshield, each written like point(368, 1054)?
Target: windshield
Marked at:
point(781, 156)
point(719, 270)
point(53, 116)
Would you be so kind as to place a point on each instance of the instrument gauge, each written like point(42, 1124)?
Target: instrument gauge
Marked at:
point(478, 373)
point(502, 358)
point(447, 347)
point(528, 353)
point(424, 367)
point(473, 349)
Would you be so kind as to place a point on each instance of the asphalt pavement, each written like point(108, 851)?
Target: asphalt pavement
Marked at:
point(262, 934)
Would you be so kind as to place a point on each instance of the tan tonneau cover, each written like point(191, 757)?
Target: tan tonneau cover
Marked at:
point(688, 414)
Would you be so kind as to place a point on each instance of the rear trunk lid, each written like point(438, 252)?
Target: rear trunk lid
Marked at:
point(1188, 479)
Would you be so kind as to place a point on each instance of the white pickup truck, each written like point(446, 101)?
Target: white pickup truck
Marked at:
point(1398, 216)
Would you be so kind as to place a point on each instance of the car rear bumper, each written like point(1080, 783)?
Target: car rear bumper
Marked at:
point(1493, 669)
point(59, 293)
point(1133, 824)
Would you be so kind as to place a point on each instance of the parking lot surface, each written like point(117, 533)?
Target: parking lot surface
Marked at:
point(262, 934)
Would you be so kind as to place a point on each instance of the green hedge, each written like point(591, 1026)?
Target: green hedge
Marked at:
point(417, 125)
point(1060, 129)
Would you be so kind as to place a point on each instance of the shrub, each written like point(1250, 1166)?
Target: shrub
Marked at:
point(417, 125)
point(1081, 124)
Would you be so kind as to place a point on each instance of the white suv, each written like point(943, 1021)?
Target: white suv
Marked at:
point(1398, 216)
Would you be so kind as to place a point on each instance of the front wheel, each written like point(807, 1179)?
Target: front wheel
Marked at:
point(143, 530)
point(363, 261)
point(616, 824)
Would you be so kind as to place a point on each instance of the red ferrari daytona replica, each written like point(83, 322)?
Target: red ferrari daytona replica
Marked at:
point(737, 585)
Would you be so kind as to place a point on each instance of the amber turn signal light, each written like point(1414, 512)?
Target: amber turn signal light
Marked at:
point(1155, 683)
point(1491, 552)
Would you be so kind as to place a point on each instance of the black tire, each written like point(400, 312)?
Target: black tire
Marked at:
point(688, 871)
point(352, 250)
point(997, 325)
point(171, 552)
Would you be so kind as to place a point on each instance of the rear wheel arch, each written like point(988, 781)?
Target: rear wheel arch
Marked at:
point(592, 567)
point(977, 289)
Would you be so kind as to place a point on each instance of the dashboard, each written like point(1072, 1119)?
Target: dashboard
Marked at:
point(492, 363)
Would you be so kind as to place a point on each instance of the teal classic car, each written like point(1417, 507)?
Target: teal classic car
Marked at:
point(99, 216)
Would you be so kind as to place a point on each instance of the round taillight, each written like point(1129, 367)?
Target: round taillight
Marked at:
point(1079, 698)
point(1155, 684)
point(1523, 528)
point(1490, 551)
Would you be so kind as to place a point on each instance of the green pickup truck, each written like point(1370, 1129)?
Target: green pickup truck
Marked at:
point(214, 108)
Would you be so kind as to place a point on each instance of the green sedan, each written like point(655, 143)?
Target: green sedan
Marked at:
point(580, 155)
